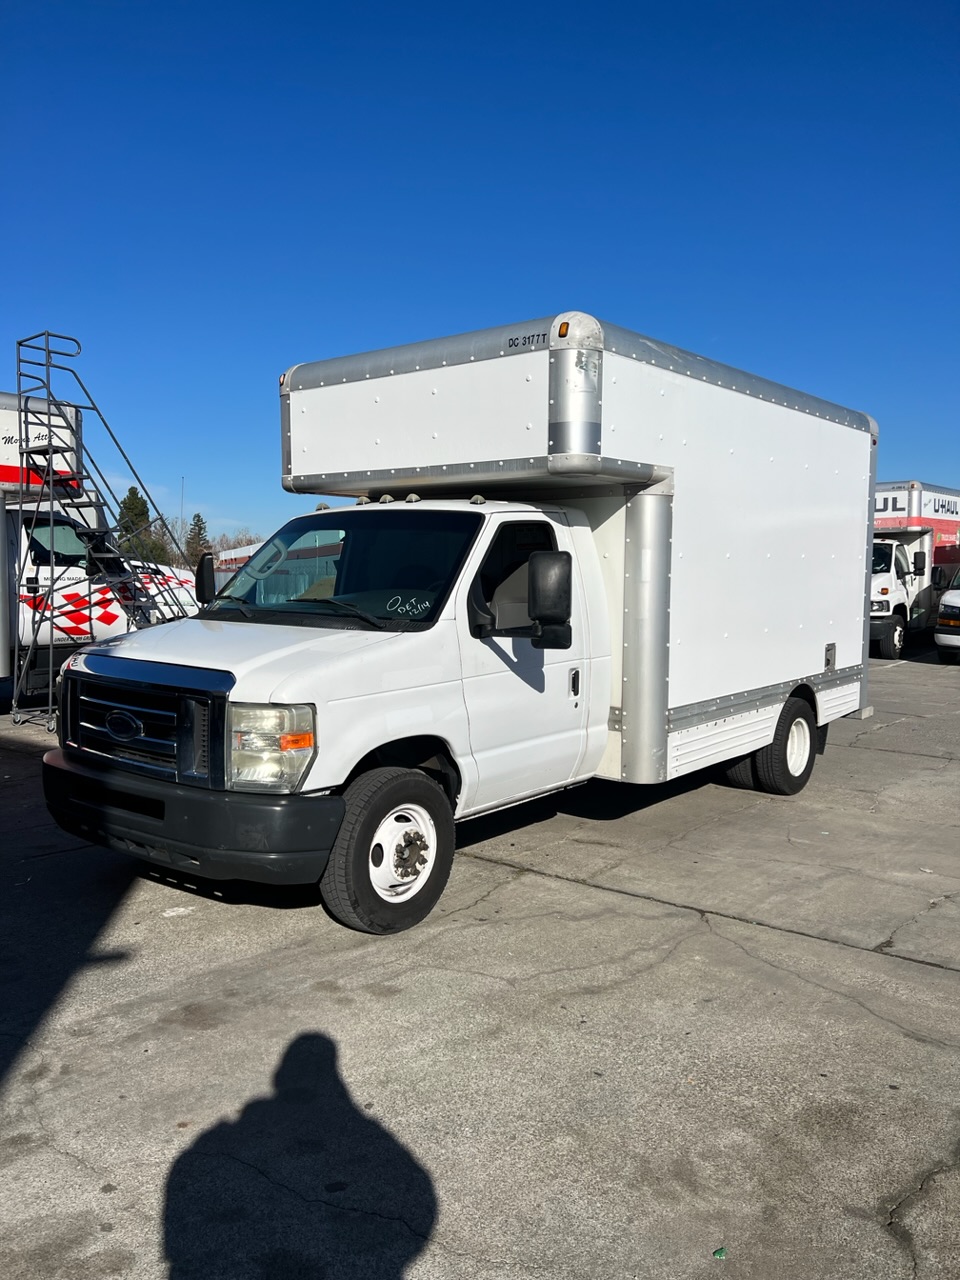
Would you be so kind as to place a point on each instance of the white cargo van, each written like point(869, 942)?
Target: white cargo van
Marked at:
point(946, 633)
point(575, 553)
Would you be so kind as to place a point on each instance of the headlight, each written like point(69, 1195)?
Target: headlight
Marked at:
point(950, 611)
point(879, 606)
point(269, 748)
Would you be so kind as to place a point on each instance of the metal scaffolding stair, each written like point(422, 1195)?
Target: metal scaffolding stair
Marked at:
point(59, 476)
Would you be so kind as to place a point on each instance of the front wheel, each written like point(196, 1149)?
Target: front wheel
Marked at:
point(947, 656)
point(891, 644)
point(784, 767)
point(393, 854)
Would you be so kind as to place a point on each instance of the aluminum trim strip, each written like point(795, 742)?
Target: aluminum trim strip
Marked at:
point(503, 341)
point(576, 379)
point(696, 713)
point(577, 468)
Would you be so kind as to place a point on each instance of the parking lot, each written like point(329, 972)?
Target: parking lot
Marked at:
point(675, 1032)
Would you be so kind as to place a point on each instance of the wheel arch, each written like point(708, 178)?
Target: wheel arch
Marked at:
point(806, 693)
point(430, 754)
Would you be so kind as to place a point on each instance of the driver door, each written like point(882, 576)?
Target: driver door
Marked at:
point(526, 707)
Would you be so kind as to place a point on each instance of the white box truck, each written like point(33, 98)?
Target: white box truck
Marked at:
point(916, 551)
point(575, 553)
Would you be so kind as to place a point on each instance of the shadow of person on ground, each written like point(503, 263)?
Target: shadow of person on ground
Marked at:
point(302, 1184)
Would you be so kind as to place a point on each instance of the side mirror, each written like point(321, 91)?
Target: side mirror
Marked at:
point(919, 562)
point(550, 598)
point(206, 582)
point(938, 577)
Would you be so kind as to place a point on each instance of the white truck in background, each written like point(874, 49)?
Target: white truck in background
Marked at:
point(916, 551)
point(62, 583)
point(576, 553)
point(946, 633)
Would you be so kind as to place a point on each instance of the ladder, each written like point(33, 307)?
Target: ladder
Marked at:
point(60, 477)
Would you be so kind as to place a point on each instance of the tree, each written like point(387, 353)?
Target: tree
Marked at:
point(197, 540)
point(242, 537)
point(137, 535)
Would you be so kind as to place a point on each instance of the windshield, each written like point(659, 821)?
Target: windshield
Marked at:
point(882, 555)
point(355, 567)
point(67, 547)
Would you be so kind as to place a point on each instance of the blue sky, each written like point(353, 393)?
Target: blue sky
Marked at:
point(205, 194)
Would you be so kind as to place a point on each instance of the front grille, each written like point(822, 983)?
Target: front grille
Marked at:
point(164, 732)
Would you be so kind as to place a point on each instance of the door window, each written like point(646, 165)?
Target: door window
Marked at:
point(903, 564)
point(503, 575)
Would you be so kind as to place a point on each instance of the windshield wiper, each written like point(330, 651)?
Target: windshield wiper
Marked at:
point(348, 607)
point(237, 600)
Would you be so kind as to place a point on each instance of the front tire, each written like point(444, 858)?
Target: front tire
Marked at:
point(784, 767)
point(392, 857)
point(891, 644)
point(948, 656)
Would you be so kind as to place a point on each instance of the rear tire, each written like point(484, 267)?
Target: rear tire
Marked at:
point(393, 854)
point(742, 773)
point(784, 767)
point(891, 644)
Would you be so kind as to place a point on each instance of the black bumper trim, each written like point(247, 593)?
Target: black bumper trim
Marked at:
point(221, 835)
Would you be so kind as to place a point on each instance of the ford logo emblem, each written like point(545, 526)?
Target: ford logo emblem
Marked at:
point(123, 726)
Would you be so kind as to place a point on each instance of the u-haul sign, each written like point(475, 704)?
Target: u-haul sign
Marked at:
point(56, 427)
point(909, 503)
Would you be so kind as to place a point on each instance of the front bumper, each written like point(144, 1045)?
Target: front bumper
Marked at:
point(947, 637)
point(222, 835)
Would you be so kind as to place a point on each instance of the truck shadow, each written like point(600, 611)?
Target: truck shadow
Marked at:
point(918, 648)
point(303, 1183)
point(56, 897)
point(597, 801)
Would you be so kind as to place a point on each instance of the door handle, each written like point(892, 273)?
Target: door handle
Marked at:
point(575, 683)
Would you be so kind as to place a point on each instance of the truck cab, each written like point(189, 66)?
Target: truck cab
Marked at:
point(73, 588)
point(904, 588)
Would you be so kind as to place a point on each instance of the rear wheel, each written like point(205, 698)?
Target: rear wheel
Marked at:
point(393, 854)
point(742, 773)
point(784, 767)
point(891, 644)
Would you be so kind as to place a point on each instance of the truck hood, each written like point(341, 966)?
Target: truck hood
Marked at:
point(879, 580)
point(263, 659)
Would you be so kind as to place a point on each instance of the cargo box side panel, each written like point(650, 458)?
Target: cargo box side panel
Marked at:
point(486, 412)
point(768, 550)
point(47, 429)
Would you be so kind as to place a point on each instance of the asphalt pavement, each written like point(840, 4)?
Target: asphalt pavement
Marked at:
point(672, 1033)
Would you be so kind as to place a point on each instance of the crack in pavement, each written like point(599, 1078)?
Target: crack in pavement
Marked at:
point(734, 916)
point(843, 995)
point(883, 948)
point(891, 1222)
